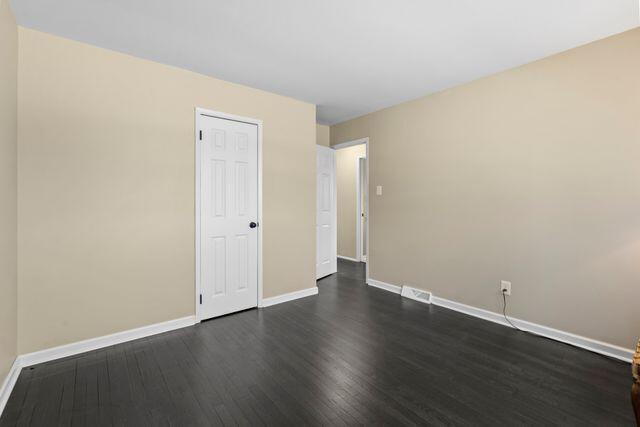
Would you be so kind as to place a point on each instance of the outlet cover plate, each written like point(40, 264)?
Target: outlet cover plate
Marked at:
point(505, 287)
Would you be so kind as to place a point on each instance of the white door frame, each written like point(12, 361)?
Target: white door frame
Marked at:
point(359, 208)
point(351, 143)
point(217, 114)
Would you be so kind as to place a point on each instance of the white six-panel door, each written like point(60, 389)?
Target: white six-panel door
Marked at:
point(228, 216)
point(326, 213)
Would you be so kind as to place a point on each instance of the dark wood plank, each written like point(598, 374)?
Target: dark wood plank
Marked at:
point(353, 355)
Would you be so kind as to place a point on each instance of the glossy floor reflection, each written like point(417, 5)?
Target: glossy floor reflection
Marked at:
point(351, 355)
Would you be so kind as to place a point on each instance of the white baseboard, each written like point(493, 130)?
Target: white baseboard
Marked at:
point(103, 341)
point(268, 302)
point(9, 382)
point(348, 258)
point(66, 350)
point(59, 352)
point(386, 286)
point(590, 344)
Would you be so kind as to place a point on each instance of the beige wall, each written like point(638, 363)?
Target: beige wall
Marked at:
point(322, 135)
point(531, 175)
point(8, 197)
point(106, 184)
point(346, 176)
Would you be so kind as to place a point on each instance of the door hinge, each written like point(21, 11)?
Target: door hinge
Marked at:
point(200, 135)
point(200, 299)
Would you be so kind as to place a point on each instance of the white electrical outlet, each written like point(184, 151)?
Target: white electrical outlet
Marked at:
point(379, 190)
point(505, 287)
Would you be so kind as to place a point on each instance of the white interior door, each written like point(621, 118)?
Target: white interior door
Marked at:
point(326, 215)
point(228, 216)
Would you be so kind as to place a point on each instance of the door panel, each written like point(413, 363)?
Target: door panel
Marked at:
point(326, 237)
point(229, 203)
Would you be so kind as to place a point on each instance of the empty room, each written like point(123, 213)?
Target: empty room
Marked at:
point(297, 212)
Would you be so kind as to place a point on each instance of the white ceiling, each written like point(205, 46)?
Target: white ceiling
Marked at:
point(349, 57)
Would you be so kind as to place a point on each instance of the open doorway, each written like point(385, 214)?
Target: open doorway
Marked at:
point(342, 210)
point(352, 200)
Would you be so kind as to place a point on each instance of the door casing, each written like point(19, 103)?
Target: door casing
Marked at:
point(361, 191)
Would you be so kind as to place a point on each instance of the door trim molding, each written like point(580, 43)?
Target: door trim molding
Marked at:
point(351, 143)
point(220, 115)
point(360, 208)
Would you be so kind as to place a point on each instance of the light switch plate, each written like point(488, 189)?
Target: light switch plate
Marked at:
point(379, 190)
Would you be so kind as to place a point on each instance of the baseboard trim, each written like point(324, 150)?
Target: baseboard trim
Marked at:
point(103, 341)
point(268, 302)
point(79, 347)
point(386, 286)
point(590, 344)
point(9, 383)
point(348, 258)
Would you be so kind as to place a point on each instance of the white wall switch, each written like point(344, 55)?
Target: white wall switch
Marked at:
point(505, 287)
point(379, 190)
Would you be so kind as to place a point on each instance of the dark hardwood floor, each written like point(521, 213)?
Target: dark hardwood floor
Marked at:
point(351, 355)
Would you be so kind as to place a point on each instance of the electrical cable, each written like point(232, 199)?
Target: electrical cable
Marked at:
point(504, 313)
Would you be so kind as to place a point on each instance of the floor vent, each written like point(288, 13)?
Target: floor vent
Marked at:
point(416, 294)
